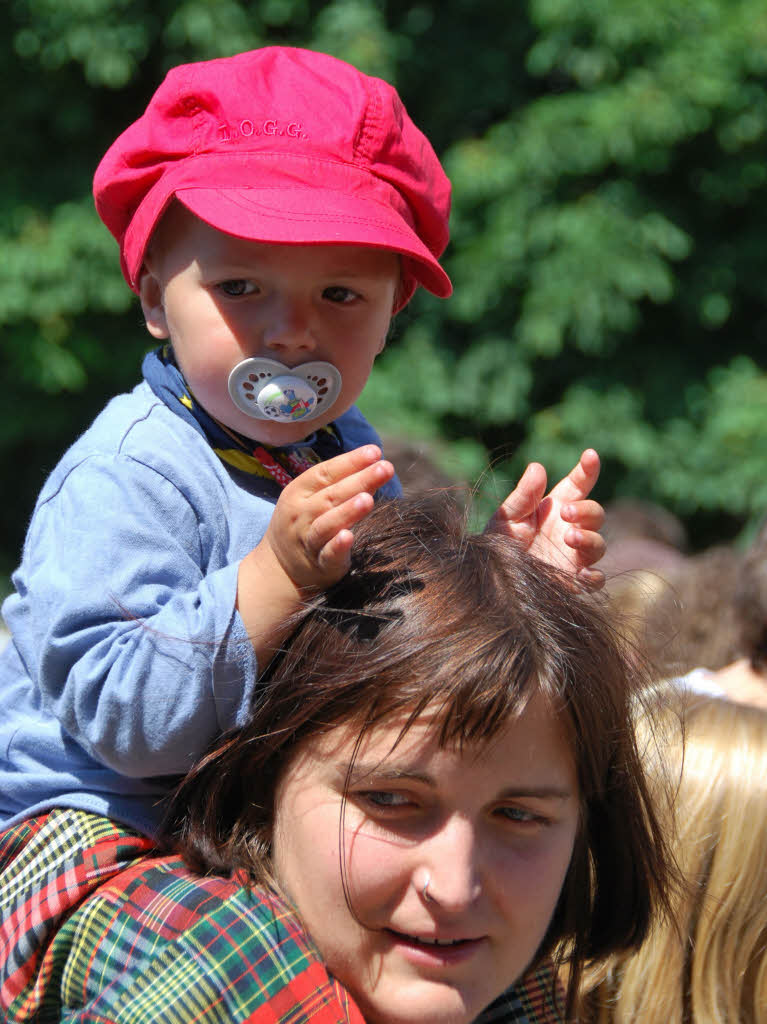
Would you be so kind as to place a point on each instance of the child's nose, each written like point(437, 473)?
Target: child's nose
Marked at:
point(289, 330)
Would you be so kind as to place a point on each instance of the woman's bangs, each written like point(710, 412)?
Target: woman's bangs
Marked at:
point(477, 685)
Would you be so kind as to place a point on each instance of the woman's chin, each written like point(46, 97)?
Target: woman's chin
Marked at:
point(420, 1002)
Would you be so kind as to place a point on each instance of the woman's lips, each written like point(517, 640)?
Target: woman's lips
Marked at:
point(434, 950)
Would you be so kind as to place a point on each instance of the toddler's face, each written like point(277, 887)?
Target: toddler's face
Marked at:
point(222, 299)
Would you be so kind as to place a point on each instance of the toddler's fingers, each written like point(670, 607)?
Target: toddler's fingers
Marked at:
point(586, 514)
point(364, 481)
point(523, 501)
point(581, 479)
point(327, 474)
point(591, 579)
point(588, 545)
point(335, 521)
point(334, 558)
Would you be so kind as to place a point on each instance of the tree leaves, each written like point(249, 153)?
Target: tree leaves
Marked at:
point(609, 163)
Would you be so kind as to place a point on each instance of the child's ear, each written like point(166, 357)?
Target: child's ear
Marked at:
point(151, 295)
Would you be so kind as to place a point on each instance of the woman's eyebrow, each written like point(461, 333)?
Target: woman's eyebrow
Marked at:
point(545, 792)
point(378, 773)
point(384, 773)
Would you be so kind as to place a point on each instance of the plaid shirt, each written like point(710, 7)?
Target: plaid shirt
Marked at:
point(97, 930)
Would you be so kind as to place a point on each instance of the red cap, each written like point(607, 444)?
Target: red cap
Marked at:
point(280, 145)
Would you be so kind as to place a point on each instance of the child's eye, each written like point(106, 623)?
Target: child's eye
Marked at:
point(337, 293)
point(236, 287)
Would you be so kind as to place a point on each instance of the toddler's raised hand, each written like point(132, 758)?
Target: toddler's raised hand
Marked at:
point(308, 542)
point(310, 529)
point(561, 528)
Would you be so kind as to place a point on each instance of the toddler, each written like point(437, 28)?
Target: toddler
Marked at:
point(274, 210)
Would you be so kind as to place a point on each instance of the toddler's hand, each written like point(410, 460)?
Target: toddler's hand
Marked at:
point(309, 532)
point(307, 544)
point(563, 527)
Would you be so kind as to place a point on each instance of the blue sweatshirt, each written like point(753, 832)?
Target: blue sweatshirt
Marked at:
point(127, 655)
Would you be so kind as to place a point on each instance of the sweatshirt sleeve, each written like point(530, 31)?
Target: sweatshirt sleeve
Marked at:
point(126, 619)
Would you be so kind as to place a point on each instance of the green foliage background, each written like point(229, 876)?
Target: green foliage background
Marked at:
point(610, 205)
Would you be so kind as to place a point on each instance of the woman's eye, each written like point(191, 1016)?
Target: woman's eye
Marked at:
point(519, 814)
point(337, 293)
point(384, 798)
point(237, 287)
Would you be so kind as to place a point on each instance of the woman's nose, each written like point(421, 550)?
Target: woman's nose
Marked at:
point(449, 872)
point(288, 329)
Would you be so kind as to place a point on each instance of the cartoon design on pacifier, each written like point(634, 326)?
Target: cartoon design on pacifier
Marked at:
point(268, 390)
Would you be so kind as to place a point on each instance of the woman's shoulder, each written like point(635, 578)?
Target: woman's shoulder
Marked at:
point(147, 939)
point(213, 948)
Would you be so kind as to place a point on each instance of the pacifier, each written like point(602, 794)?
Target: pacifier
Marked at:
point(268, 390)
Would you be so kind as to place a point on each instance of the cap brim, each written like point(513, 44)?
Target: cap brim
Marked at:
point(357, 209)
point(290, 216)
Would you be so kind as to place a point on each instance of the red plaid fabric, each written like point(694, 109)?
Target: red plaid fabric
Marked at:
point(56, 863)
point(96, 930)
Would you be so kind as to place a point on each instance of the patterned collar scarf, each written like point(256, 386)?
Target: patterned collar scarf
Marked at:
point(281, 464)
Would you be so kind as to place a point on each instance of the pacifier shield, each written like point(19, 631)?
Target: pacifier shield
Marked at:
point(268, 390)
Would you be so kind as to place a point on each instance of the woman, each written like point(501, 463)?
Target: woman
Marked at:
point(707, 964)
point(437, 791)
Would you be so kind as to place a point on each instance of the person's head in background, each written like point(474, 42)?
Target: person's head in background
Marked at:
point(691, 621)
point(709, 962)
point(707, 625)
point(646, 548)
point(751, 603)
point(274, 210)
point(440, 773)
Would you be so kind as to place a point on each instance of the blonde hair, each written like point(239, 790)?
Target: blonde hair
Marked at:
point(709, 966)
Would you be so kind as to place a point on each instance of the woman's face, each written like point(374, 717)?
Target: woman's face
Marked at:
point(454, 860)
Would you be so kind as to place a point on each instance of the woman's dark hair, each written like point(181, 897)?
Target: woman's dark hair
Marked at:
point(433, 616)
